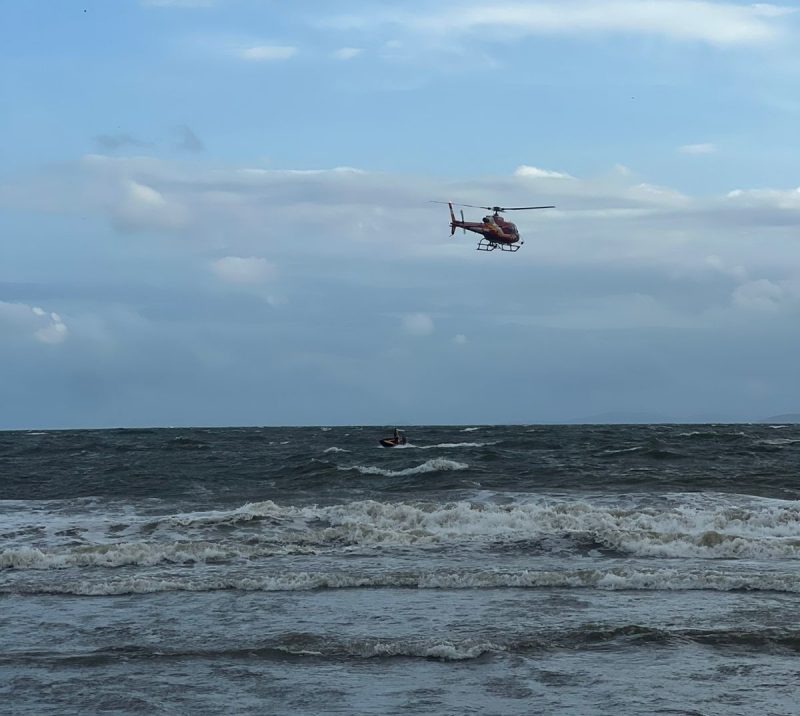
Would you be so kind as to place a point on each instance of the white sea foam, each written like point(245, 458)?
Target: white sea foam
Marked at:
point(779, 442)
point(452, 445)
point(299, 652)
point(246, 513)
point(469, 430)
point(719, 530)
point(700, 526)
point(335, 449)
point(435, 465)
point(618, 578)
point(444, 651)
point(706, 545)
point(51, 522)
point(621, 451)
point(414, 446)
point(143, 554)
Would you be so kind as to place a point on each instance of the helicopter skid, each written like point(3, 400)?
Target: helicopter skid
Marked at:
point(486, 245)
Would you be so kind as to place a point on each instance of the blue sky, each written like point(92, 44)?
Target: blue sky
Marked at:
point(215, 211)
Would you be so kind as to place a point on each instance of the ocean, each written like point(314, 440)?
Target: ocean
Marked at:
point(477, 570)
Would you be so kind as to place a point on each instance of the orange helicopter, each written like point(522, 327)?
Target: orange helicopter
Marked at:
point(495, 231)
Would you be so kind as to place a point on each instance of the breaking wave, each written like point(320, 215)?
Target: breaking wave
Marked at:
point(310, 646)
point(143, 554)
point(768, 530)
point(436, 465)
point(293, 645)
point(611, 579)
point(449, 446)
point(779, 442)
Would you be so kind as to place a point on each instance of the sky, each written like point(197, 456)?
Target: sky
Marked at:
point(217, 212)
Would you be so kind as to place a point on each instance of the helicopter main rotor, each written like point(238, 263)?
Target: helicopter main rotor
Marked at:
point(498, 209)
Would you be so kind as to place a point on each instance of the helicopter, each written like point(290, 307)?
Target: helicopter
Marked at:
point(495, 231)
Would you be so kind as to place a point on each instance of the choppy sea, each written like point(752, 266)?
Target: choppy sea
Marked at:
point(477, 570)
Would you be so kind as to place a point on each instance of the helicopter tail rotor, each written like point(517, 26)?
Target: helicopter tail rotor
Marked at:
point(452, 219)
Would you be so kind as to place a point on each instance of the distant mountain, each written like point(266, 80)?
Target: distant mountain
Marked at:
point(785, 418)
point(644, 418)
point(625, 418)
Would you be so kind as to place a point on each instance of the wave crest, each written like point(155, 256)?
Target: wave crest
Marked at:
point(619, 578)
point(760, 531)
point(437, 464)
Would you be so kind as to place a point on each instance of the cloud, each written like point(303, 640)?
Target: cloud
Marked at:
point(141, 207)
point(768, 295)
point(187, 140)
point(535, 173)
point(697, 149)
point(110, 142)
point(717, 264)
point(418, 324)
point(623, 273)
point(617, 311)
point(347, 53)
point(267, 53)
point(33, 322)
point(760, 295)
point(775, 198)
point(343, 211)
point(145, 197)
point(244, 270)
point(722, 24)
point(53, 332)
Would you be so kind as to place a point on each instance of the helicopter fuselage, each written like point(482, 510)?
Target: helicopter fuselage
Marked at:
point(495, 231)
point(493, 228)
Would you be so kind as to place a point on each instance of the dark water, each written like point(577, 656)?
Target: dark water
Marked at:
point(491, 570)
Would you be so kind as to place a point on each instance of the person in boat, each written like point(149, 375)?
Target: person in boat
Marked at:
point(399, 438)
